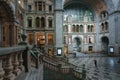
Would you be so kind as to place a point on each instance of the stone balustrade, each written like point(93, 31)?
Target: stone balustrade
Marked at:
point(11, 62)
point(15, 60)
point(66, 69)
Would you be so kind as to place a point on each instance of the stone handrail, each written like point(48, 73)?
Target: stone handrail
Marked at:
point(65, 69)
point(36, 57)
point(16, 60)
point(10, 50)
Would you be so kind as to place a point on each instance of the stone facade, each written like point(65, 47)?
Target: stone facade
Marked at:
point(11, 23)
point(106, 17)
point(39, 22)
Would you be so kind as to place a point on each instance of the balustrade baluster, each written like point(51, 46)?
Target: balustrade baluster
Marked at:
point(8, 68)
point(1, 70)
point(21, 67)
point(16, 70)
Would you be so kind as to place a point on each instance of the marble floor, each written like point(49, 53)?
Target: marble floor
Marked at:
point(107, 68)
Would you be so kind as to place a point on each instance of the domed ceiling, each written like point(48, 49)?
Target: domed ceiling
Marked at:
point(97, 5)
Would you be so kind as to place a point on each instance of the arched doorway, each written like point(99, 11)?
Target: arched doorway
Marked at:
point(42, 22)
point(76, 44)
point(104, 46)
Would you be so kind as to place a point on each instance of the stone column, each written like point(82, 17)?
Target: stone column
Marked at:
point(85, 28)
point(33, 22)
point(14, 35)
point(114, 38)
point(97, 38)
point(35, 36)
point(8, 68)
point(21, 67)
point(1, 69)
point(26, 60)
point(1, 33)
point(16, 70)
point(58, 25)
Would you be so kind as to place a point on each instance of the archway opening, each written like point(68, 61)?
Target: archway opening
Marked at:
point(105, 42)
point(76, 44)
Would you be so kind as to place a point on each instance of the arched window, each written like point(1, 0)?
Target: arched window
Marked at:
point(81, 28)
point(92, 28)
point(31, 38)
point(73, 28)
point(106, 26)
point(65, 28)
point(77, 28)
point(29, 21)
point(50, 38)
point(50, 22)
point(103, 14)
point(37, 22)
point(42, 22)
point(102, 27)
point(88, 28)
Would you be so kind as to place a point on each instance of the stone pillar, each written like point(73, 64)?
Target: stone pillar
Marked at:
point(1, 34)
point(114, 38)
point(1, 70)
point(35, 36)
point(85, 28)
point(33, 22)
point(21, 67)
point(58, 26)
point(26, 60)
point(15, 35)
point(16, 70)
point(98, 30)
point(8, 68)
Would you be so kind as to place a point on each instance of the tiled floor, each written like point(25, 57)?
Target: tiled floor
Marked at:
point(107, 68)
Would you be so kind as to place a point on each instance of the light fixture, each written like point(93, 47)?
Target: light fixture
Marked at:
point(59, 51)
point(19, 1)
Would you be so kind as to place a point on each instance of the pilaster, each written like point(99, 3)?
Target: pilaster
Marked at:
point(114, 20)
point(59, 27)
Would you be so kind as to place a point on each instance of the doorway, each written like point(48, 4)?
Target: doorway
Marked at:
point(104, 46)
point(76, 44)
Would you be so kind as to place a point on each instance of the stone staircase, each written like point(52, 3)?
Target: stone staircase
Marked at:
point(35, 74)
point(55, 75)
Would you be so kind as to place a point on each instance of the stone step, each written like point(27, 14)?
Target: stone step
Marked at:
point(35, 74)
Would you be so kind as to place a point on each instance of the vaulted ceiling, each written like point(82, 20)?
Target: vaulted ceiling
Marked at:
point(97, 5)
